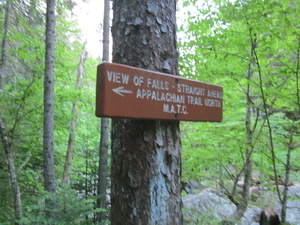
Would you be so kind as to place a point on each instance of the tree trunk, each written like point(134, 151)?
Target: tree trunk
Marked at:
point(243, 204)
point(146, 155)
point(48, 139)
point(287, 175)
point(106, 31)
point(3, 134)
point(12, 172)
point(4, 44)
point(103, 168)
point(71, 141)
point(104, 140)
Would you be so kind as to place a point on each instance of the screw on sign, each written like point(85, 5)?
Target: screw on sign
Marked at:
point(129, 92)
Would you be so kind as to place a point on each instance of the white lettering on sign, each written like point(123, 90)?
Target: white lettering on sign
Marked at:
point(138, 81)
point(163, 91)
point(160, 96)
point(183, 88)
point(194, 100)
point(157, 84)
point(175, 109)
point(117, 77)
point(214, 94)
point(212, 102)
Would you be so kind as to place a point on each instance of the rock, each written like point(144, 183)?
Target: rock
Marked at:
point(294, 191)
point(252, 212)
point(190, 187)
point(207, 203)
point(292, 213)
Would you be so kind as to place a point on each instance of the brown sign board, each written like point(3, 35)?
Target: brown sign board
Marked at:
point(128, 92)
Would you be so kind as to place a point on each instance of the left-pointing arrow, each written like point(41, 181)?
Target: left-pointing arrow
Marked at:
point(121, 91)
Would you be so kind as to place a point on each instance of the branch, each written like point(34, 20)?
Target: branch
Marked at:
point(266, 112)
point(24, 163)
point(3, 135)
point(20, 107)
point(295, 145)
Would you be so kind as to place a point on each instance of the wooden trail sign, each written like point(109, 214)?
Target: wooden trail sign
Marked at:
point(129, 92)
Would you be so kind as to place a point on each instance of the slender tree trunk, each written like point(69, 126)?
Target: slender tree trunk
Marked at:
point(49, 169)
point(287, 175)
point(290, 144)
point(146, 155)
point(4, 44)
point(103, 167)
point(297, 76)
point(104, 140)
point(106, 31)
point(243, 204)
point(12, 172)
point(71, 141)
point(3, 134)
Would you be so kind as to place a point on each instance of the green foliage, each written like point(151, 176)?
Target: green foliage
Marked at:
point(215, 40)
point(71, 209)
point(222, 42)
point(21, 106)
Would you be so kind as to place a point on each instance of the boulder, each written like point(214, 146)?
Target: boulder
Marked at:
point(209, 205)
point(292, 213)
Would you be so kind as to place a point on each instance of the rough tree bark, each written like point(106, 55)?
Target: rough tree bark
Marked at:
point(48, 137)
point(71, 141)
point(146, 155)
point(105, 128)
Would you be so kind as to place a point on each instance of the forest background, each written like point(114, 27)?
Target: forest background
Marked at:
point(251, 48)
